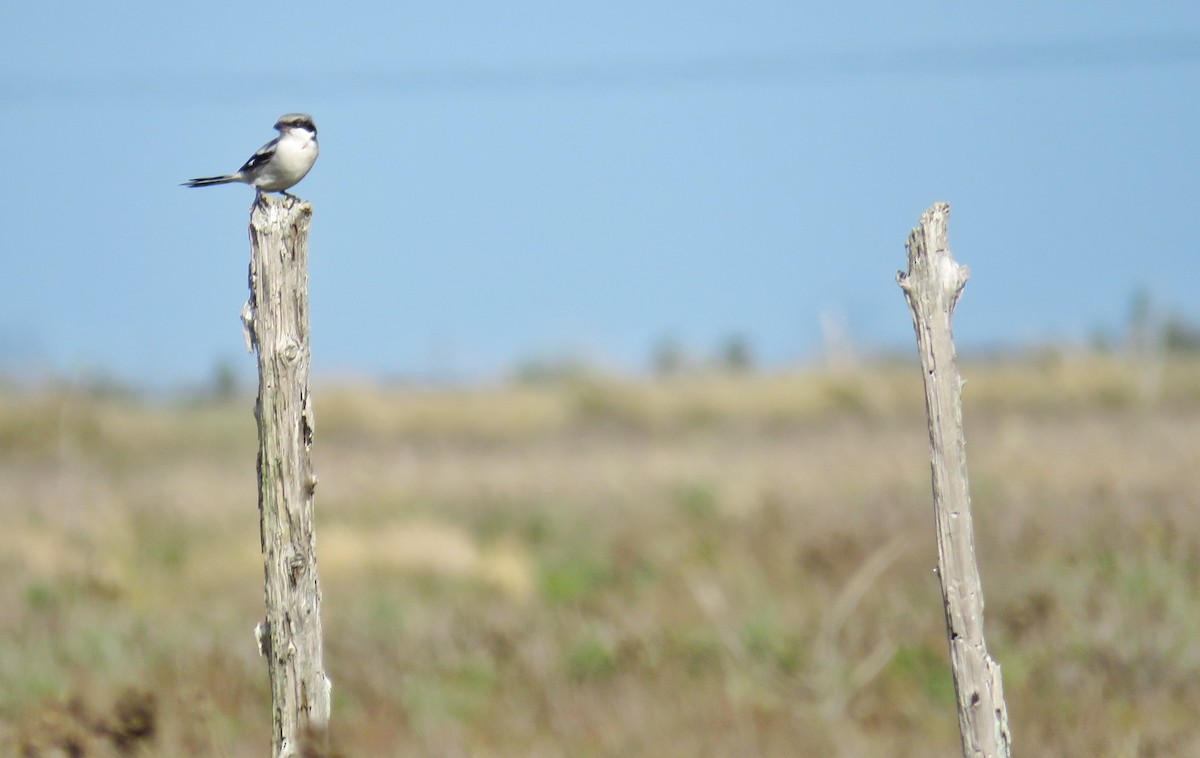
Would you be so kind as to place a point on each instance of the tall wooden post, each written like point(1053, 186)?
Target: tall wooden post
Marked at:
point(932, 286)
point(276, 321)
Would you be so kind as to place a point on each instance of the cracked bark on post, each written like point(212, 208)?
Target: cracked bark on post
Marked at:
point(276, 323)
point(932, 286)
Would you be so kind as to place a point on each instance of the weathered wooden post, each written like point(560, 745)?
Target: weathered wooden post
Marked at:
point(932, 286)
point(276, 323)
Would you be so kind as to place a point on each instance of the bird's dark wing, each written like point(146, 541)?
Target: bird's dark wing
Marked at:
point(262, 156)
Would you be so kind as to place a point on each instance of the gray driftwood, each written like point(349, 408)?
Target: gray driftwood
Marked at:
point(276, 321)
point(932, 286)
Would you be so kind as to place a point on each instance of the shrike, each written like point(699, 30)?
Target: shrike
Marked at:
point(280, 163)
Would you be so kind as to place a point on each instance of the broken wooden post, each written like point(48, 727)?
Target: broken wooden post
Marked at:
point(276, 323)
point(932, 286)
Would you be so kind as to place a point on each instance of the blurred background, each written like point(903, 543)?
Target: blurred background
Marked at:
point(620, 433)
point(500, 185)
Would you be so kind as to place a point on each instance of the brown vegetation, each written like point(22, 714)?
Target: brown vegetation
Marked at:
point(726, 565)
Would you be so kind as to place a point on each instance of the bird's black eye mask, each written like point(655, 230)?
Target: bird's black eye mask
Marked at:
point(300, 125)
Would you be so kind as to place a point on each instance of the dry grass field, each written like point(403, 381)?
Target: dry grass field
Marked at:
point(724, 566)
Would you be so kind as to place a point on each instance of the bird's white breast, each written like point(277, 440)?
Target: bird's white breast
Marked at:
point(295, 155)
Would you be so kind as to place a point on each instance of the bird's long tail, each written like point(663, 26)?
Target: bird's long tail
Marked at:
point(206, 181)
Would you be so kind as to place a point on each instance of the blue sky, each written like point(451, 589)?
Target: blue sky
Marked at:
point(501, 182)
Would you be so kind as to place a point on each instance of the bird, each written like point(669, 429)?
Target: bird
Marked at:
point(278, 165)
